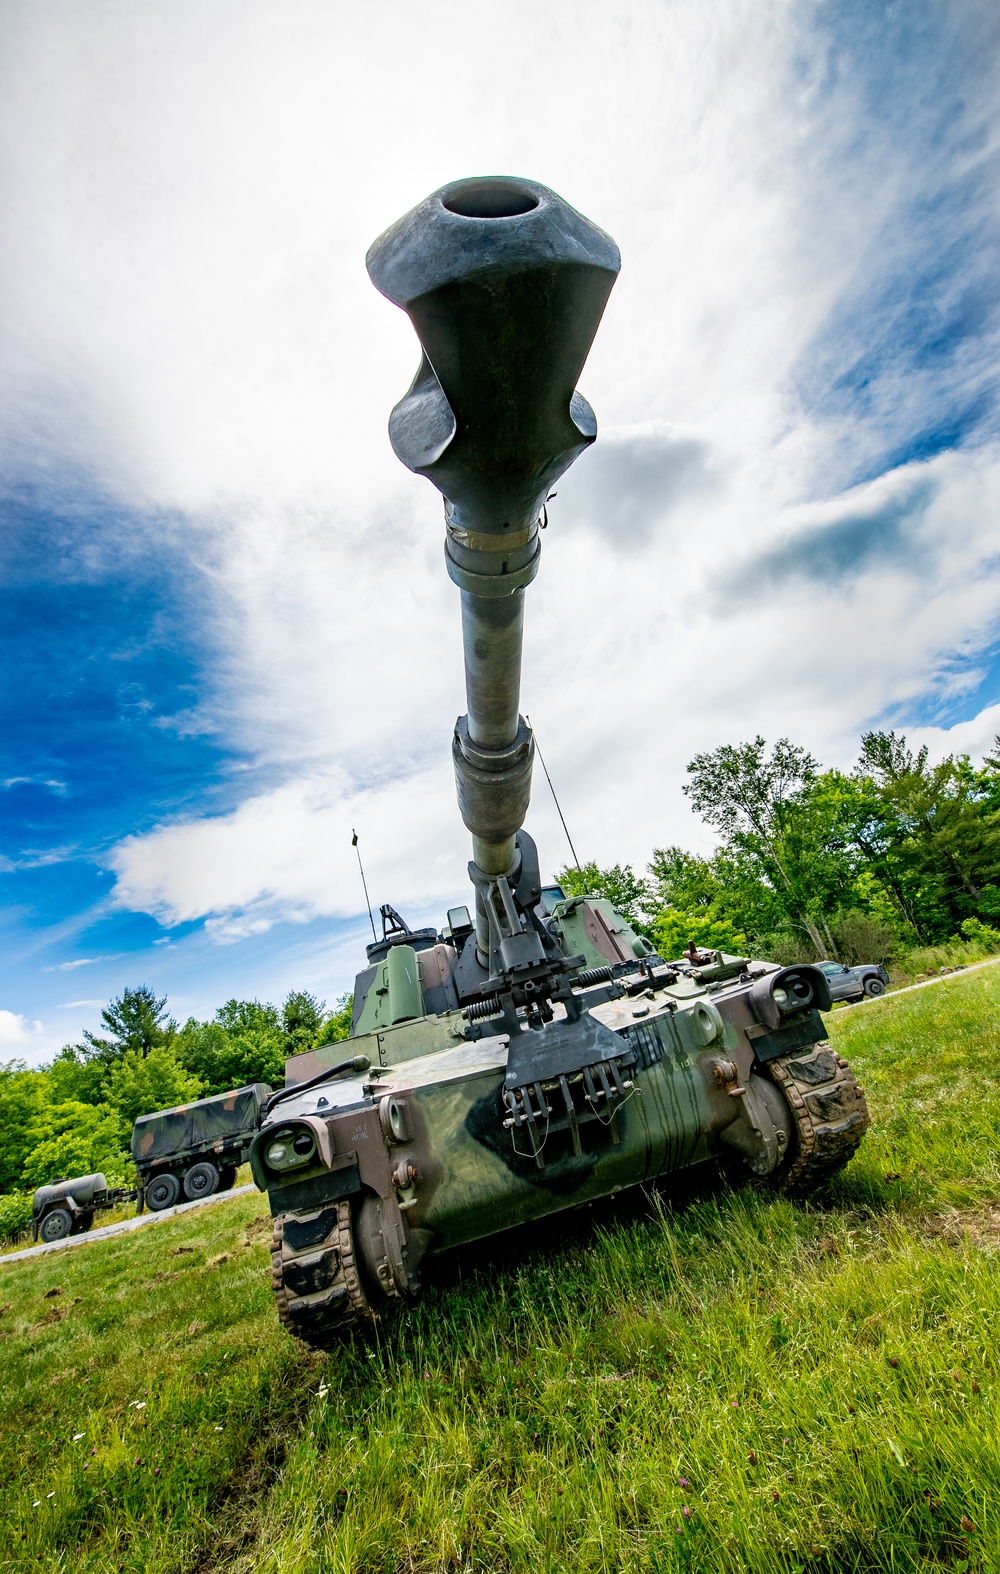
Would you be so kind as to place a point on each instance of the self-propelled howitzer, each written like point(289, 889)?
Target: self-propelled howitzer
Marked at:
point(540, 1055)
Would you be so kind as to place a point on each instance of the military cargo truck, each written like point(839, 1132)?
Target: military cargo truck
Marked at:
point(196, 1148)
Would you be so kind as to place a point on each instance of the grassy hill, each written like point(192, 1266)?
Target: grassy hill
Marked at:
point(689, 1379)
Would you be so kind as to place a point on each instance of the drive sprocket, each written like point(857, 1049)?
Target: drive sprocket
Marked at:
point(314, 1275)
point(829, 1112)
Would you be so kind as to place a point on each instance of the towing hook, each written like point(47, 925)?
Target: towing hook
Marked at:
point(727, 1076)
point(404, 1175)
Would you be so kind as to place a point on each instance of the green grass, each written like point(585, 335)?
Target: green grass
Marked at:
point(816, 1386)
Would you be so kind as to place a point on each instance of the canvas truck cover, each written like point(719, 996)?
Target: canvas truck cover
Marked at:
point(198, 1125)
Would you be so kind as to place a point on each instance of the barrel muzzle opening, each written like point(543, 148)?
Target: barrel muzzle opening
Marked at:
point(489, 197)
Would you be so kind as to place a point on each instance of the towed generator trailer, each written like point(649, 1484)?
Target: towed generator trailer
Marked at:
point(67, 1207)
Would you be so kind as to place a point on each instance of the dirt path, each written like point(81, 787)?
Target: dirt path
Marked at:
point(135, 1223)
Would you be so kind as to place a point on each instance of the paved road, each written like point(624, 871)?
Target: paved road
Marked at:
point(135, 1223)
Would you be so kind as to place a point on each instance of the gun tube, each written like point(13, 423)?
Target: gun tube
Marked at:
point(505, 285)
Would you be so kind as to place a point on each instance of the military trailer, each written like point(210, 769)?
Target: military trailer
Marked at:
point(196, 1148)
point(67, 1207)
point(536, 1054)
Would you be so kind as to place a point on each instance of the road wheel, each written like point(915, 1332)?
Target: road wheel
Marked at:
point(201, 1180)
point(873, 987)
point(162, 1192)
point(227, 1176)
point(56, 1225)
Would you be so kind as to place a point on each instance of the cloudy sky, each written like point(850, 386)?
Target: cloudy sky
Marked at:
point(228, 637)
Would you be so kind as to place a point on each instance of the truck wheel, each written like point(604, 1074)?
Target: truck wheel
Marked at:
point(83, 1221)
point(56, 1225)
point(227, 1176)
point(162, 1192)
point(874, 986)
point(201, 1180)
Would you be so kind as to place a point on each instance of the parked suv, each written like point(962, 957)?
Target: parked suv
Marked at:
point(854, 983)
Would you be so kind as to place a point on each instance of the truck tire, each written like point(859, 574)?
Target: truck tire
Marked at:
point(56, 1225)
point(83, 1221)
point(227, 1177)
point(201, 1180)
point(874, 987)
point(162, 1192)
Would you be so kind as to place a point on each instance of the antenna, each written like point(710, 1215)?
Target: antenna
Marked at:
point(364, 882)
point(555, 800)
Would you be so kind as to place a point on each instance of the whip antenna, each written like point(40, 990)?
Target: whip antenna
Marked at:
point(555, 800)
point(364, 882)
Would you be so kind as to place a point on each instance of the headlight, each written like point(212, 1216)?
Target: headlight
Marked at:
point(289, 1148)
point(798, 992)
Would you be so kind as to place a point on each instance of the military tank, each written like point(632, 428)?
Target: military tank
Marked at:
point(533, 1054)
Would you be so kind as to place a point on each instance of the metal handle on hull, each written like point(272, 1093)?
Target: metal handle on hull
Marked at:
point(505, 285)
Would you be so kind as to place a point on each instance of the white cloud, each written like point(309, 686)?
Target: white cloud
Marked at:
point(25, 1038)
point(17, 1034)
point(83, 961)
point(193, 191)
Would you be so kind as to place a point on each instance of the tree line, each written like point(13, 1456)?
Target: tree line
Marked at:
point(816, 864)
point(75, 1115)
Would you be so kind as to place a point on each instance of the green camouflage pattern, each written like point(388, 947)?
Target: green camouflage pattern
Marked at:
point(421, 1149)
point(589, 926)
point(211, 1125)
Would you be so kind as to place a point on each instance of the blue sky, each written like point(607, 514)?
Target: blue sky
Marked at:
point(227, 635)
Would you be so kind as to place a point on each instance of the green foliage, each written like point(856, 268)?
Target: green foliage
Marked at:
point(950, 954)
point(22, 1095)
point(76, 1115)
point(981, 934)
point(15, 1215)
point(931, 834)
point(337, 1025)
point(862, 937)
point(138, 1085)
point(72, 1076)
point(779, 823)
point(857, 866)
point(245, 1043)
point(72, 1139)
point(674, 929)
point(817, 1385)
point(302, 1018)
point(693, 900)
point(135, 1023)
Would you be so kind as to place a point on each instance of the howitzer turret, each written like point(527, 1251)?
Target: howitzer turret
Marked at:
point(544, 1056)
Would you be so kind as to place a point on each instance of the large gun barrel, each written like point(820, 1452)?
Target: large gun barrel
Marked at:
point(505, 285)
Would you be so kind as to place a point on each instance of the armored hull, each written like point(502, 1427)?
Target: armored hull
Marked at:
point(460, 1129)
